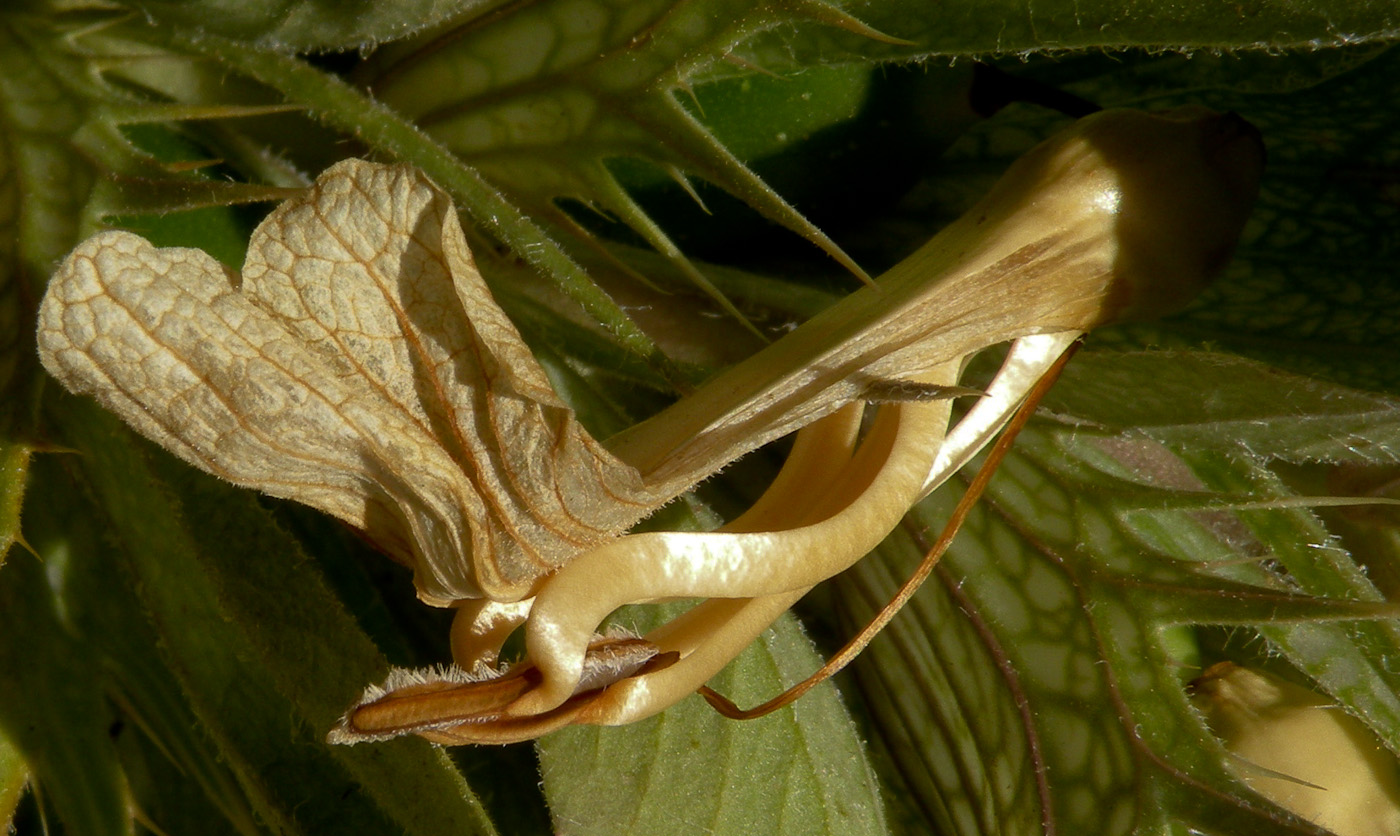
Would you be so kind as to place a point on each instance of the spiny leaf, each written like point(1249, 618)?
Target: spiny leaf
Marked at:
point(1270, 413)
point(1041, 613)
point(615, 199)
point(978, 30)
point(1346, 660)
point(126, 196)
point(147, 112)
point(541, 118)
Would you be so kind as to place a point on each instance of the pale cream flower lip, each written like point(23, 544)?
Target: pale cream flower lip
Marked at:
point(1301, 751)
point(359, 365)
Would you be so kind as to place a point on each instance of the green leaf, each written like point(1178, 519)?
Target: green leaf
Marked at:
point(52, 712)
point(14, 472)
point(1249, 407)
point(14, 777)
point(1010, 27)
point(1039, 681)
point(347, 108)
point(264, 654)
point(542, 101)
point(800, 770)
point(301, 25)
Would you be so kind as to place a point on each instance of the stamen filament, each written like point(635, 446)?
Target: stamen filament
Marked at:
point(974, 492)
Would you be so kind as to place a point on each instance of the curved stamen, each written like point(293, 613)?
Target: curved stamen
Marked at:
point(481, 626)
point(709, 636)
point(1026, 364)
point(848, 653)
point(867, 499)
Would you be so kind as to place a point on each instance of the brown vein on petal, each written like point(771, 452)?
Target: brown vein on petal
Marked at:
point(647, 500)
point(527, 549)
point(222, 397)
point(336, 335)
point(406, 335)
point(502, 513)
point(527, 498)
